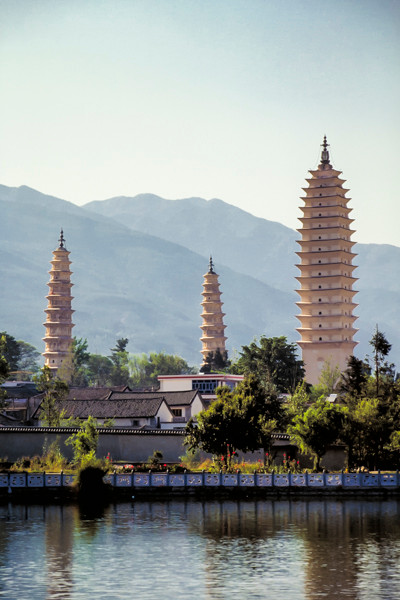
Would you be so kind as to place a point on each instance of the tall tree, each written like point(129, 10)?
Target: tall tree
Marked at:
point(99, 370)
point(241, 419)
point(11, 350)
point(54, 392)
point(316, 429)
point(381, 348)
point(4, 367)
point(144, 369)
point(28, 357)
point(120, 357)
point(216, 362)
point(274, 360)
point(355, 377)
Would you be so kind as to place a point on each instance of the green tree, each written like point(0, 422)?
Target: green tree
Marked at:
point(361, 432)
point(54, 392)
point(28, 357)
point(216, 431)
point(317, 429)
point(274, 360)
point(297, 403)
point(354, 378)
point(241, 419)
point(84, 442)
point(381, 349)
point(99, 370)
point(144, 369)
point(120, 358)
point(329, 377)
point(4, 368)
point(11, 350)
point(216, 362)
point(79, 362)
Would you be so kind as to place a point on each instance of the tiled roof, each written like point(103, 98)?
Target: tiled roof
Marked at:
point(184, 398)
point(94, 393)
point(109, 409)
point(20, 391)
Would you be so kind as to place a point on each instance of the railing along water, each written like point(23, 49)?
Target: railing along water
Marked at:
point(313, 481)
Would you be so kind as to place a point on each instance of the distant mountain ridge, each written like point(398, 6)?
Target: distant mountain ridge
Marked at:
point(265, 250)
point(138, 266)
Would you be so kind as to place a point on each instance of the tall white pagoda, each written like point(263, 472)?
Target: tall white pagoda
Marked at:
point(213, 327)
point(326, 272)
point(58, 338)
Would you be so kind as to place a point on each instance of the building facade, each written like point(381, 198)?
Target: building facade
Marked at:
point(326, 272)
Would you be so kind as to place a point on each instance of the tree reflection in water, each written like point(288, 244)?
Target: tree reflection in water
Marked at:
point(209, 550)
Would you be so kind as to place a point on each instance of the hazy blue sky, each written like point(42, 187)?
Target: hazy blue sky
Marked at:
point(218, 98)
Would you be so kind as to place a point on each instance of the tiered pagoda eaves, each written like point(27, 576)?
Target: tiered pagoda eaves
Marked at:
point(326, 279)
point(213, 327)
point(58, 338)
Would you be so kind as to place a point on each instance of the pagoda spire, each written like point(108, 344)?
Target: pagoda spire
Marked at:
point(325, 152)
point(211, 265)
point(213, 327)
point(326, 272)
point(58, 338)
point(61, 239)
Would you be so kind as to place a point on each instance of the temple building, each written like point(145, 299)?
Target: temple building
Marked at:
point(58, 338)
point(213, 327)
point(326, 272)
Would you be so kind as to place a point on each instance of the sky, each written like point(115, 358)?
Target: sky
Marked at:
point(224, 99)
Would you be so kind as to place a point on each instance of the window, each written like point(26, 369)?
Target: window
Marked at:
point(207, 385)
point(135, 423)
point(177, 412)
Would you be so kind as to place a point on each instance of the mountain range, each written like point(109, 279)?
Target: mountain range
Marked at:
point(138, 266)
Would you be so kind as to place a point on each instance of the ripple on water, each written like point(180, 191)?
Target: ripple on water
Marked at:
point(203, 550)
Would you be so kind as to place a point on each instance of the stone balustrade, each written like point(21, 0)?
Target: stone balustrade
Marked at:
point(293, 481)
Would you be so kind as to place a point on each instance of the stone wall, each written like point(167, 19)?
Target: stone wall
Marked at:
point(135, 446)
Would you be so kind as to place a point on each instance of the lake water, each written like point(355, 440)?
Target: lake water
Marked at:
point(265, 549)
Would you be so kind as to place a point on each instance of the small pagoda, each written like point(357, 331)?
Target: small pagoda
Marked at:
point(326, 272)
point(58, 338)
point(213, 327)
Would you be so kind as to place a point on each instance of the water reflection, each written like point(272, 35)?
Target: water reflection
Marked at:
point(208, 550)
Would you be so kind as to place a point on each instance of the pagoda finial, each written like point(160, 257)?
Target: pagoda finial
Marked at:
point(211, 265)
point(61, 239)
point(325, 153)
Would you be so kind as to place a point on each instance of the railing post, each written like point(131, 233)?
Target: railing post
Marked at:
point(167, 478)
point(379, 478)
point(238, 477)
point(397, 477)
point(203, 478)
point(220, 477)
point(114, 478)
point(44, 478)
